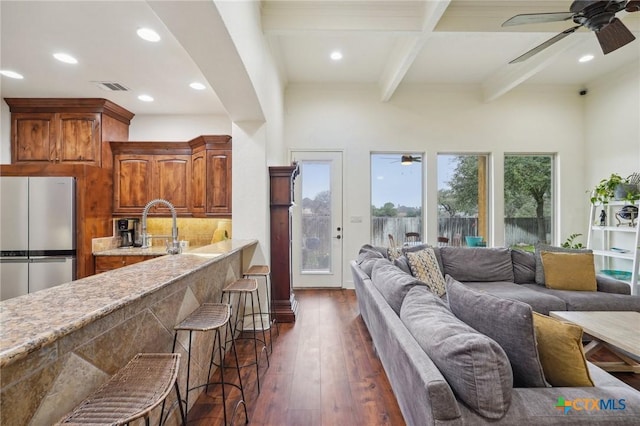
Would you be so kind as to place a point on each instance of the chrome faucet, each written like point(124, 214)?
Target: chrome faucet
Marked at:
point(174, 248)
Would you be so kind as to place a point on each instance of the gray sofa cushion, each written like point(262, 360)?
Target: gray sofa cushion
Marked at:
point(367, 257)
point(393, 283)
point(544, 247)
point(477, 264)
point(508, 322)
point(539, 302)
point(403, 263)
point(589, 300)
point(476, 367)
point(524, 266)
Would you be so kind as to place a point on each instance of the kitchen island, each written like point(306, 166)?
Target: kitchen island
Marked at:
point(59, 344)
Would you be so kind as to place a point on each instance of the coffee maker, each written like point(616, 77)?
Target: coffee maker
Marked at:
point(129, 232)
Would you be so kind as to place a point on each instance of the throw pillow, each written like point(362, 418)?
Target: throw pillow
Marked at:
point(475, 367)
point(477, 264)
point(561, 353)
point(424, 266)
point(392, 283)
point(508, 322)
point(524, 266)
point(569, 271)
point(544, 247)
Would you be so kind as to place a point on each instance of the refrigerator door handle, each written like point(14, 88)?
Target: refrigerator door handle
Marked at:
point(48, 259)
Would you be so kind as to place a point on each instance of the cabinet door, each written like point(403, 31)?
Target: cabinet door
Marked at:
point(132, 182)
point(172, 181)
point(198, 186)
point(33, 137)
point(219, 182)
point(79, 138)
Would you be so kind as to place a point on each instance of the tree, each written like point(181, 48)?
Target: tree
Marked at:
point(526, 178)
point(527, 188)
point(388, 210)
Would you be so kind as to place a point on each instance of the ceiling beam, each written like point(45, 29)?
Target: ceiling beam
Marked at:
point(201, 31)
point(408, 48)
point(512, 75)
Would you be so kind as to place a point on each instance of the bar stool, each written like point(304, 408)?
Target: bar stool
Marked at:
point(264, 271)
point(131, 393)
point(242, 287)
point(212, 316)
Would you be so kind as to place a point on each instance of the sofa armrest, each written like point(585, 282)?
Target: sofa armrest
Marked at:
point(608, 284)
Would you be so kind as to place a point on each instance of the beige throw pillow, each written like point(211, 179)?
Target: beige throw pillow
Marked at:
point(569, 271)
point(424, 266)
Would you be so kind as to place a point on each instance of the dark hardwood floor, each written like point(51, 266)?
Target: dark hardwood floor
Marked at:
point(323, 371)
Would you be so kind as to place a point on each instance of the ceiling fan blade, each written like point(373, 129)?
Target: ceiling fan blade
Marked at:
point(544, 45)
point(537, 18)
point(614, 36)
point(633, 6)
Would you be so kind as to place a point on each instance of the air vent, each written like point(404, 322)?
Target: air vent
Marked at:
point(111, 86)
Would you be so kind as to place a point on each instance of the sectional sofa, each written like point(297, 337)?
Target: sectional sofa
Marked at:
point(444, 372)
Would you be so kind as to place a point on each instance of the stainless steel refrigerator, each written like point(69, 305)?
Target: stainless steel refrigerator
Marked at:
point(37, 233)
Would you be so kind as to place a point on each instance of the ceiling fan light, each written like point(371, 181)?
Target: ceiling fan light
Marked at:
point(336, 55)
point(406, 160)
point(145, 98)
point(585, 58)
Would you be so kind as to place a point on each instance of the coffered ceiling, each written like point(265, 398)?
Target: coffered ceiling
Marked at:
point(387, 43)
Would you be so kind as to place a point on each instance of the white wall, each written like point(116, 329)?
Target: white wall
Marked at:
point(612, 125)
point(434, 120)
point(171, 128)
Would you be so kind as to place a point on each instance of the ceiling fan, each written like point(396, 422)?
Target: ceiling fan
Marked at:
point(407, 160)
point(597, 16)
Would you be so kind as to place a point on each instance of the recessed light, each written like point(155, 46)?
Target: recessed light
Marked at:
point(145, 98)
point(148, 34)
point(336, 55)
point(67, 59)
point(11, 74)
point(197, 86)
point(585, 58)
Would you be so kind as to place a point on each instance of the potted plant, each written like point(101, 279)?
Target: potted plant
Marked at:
point(615, 187)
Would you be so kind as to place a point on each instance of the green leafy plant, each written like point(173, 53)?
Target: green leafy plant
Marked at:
point(569, 243)
point(605, 190)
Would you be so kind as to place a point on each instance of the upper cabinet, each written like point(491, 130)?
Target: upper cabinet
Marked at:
point(66, 131)
point(194, 176)
point(211, 163)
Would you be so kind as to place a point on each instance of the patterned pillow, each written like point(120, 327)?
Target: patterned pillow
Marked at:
point(424, 266)
point(393, 253)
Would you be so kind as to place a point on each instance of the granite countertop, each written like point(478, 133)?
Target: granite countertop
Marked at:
point(32, 321)
point(134, 251)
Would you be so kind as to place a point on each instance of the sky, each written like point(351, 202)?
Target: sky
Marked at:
point(390, 180)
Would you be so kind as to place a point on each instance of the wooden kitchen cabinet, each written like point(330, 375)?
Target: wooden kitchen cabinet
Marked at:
point(65, 131)
point(109, 263)
point(144, 171)
point(211, 185)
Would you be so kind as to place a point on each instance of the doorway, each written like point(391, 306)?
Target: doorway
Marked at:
point(317, 220)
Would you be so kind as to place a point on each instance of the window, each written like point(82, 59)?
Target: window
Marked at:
point(462, 199)
point(396, 196)
point(528, 200)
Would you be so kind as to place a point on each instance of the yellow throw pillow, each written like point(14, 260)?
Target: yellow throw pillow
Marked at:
point(560, 351)
point(569, 271)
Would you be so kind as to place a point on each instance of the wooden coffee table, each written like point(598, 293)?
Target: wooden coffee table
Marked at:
point(616, 330)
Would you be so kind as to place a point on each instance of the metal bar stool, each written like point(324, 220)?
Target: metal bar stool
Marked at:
point(263, 271)
point(131, 393)
point(243, 287)
point(213, 316)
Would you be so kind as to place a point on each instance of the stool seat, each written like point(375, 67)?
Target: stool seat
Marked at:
point(258, 270)
point(131, 393)
point(245, 285)
point(208, 316)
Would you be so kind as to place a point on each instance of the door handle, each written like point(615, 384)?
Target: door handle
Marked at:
point(338, 236)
